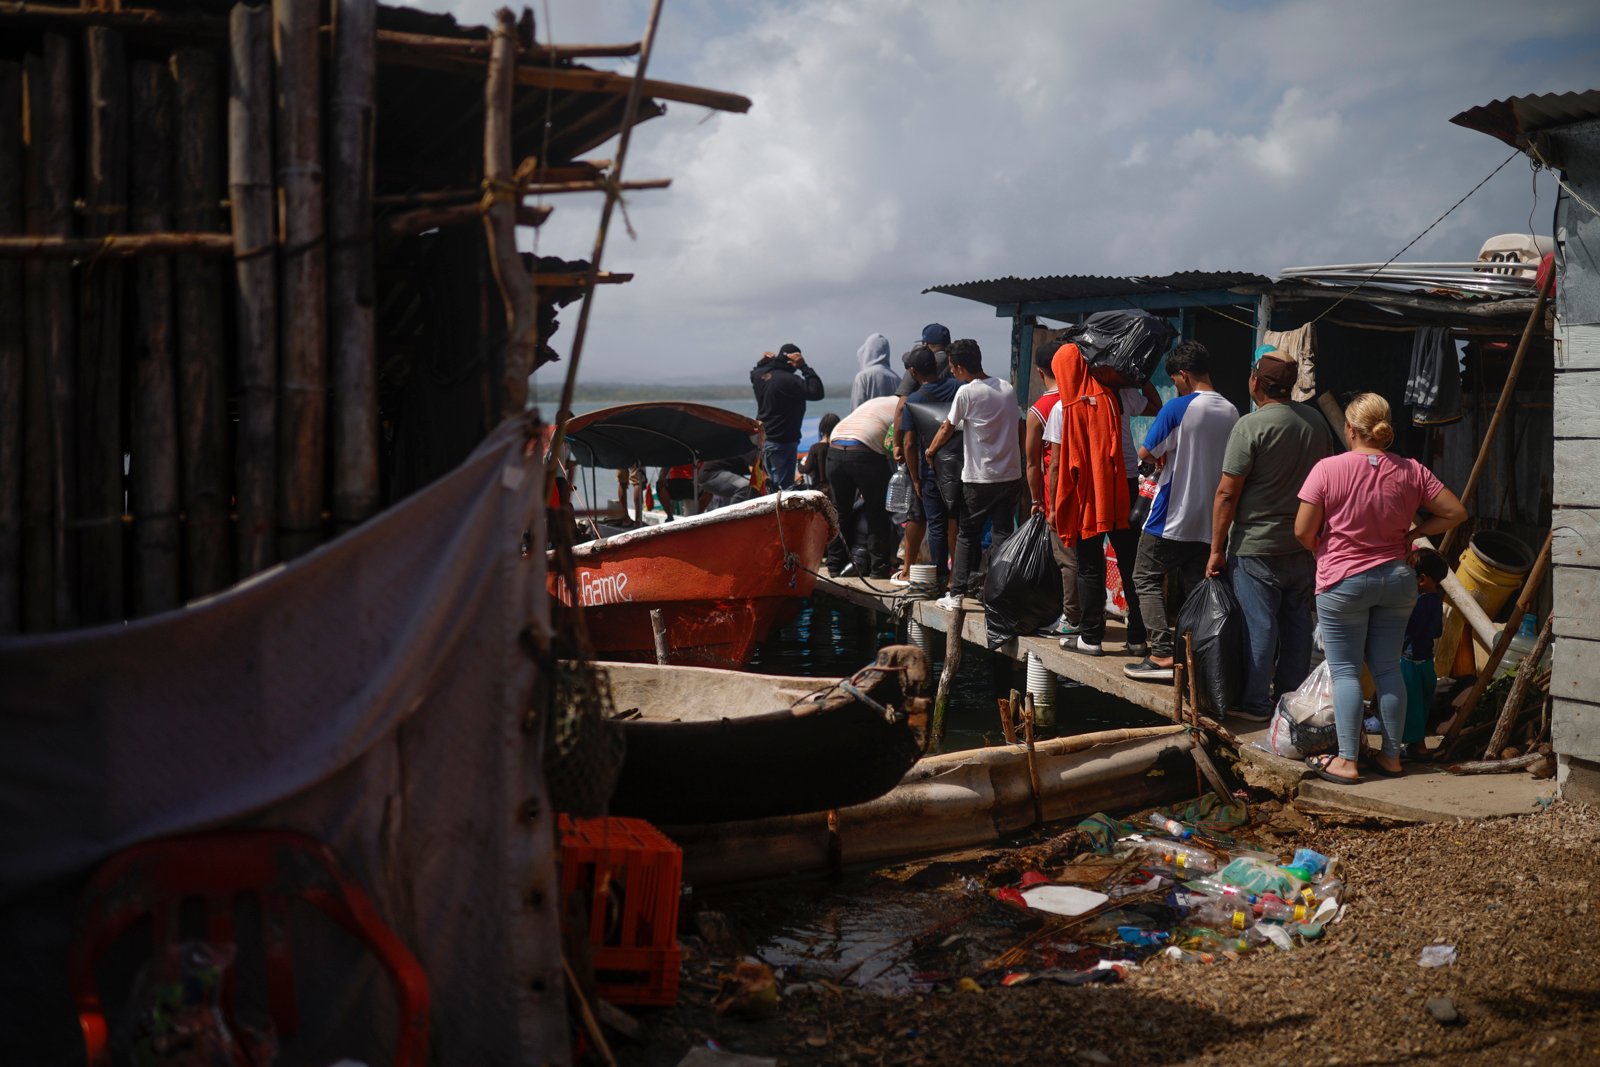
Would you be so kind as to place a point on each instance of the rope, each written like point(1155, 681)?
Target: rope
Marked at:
point(887, 713)
point(1329, 310)
point(1557, 175)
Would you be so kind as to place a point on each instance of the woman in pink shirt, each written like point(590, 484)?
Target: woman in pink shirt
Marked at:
point(1358, 514)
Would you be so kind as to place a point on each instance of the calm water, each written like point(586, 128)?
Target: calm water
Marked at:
point(827, 640)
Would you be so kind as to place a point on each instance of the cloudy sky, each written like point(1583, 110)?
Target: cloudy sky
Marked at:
point(895, 145)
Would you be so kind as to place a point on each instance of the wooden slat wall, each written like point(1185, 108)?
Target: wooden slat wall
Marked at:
point(1575, 681)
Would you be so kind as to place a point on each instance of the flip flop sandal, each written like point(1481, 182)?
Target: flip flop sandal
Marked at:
point(1319, 767)
point(1369, 762)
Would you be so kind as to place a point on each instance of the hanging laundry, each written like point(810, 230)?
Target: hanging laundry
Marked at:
point(1433, 388)
point(1301, 346)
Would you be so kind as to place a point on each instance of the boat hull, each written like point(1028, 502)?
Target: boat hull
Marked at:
point(754, 747)
point(722, 581)
point(947, 802)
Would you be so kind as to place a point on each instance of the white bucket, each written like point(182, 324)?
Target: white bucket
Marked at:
point(1042, 686)
point(921, 636)
point(924, 574)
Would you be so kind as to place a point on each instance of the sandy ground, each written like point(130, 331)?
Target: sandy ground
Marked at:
point(1518, 898)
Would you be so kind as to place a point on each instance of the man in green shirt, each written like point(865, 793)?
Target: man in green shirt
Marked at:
point(1270, 451)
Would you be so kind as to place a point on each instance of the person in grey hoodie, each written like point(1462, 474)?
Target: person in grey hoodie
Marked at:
point(875, 378)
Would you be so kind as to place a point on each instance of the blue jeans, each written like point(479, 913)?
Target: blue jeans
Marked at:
point(779, 460)
point(1364, 617)
point(1276, 595)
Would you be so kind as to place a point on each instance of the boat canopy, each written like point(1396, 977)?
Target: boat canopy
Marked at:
point(659, 433)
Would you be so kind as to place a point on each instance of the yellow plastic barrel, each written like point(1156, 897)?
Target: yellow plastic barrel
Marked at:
point(1491, 569)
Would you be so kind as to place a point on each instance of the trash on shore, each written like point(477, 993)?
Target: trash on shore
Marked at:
point(1172, 887)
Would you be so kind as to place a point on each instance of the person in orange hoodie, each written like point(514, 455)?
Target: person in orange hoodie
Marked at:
point(1091, 496)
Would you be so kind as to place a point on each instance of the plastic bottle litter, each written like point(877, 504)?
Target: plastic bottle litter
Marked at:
point(1270, 907)
point(1220, 915)
point(1170, 826)
point(1175, 857)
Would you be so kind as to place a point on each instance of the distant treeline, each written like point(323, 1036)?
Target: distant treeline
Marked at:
point(626, 391)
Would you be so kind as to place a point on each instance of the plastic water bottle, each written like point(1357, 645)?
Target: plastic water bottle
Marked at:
point(1171, 827)
point(898, 499)
point(1222, 915)
point(1175, 857)
point(1270, 907)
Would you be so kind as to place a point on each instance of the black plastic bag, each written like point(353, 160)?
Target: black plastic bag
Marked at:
point(1122, 347)
point(1213, 616)
point(1022, 591)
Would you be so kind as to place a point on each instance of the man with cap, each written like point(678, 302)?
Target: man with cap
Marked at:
point(1269, 453)
point(782, 383)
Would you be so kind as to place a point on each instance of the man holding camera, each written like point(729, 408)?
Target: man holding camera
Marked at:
point(782, 382)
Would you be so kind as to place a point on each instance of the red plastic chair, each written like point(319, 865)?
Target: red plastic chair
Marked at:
point(155, 878)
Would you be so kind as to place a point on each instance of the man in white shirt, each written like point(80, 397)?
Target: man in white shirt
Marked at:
point(1189, 436)
point(985, 410)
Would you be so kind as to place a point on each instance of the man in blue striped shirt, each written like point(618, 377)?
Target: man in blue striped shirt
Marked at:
point(1188, 438)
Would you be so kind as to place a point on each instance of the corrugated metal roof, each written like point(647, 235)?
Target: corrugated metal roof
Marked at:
point(1515, 115)
point(1012, 290)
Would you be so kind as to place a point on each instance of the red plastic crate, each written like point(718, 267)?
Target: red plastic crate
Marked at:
point(631, 875)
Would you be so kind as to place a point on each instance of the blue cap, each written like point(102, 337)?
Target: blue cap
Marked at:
point(935, 334)
point(1262, 350)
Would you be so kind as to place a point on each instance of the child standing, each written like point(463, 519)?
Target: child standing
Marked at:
point(1416, 655)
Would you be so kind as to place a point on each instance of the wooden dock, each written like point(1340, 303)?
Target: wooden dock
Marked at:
point(1426, 794)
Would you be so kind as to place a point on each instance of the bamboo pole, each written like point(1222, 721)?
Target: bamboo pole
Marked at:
point(582, 170)
point(48, 502)
point(1194, 703)
point(411, 223)
point(1535, 319)
point(658, 627)
point(1033, 763)
point(13, 352)
point(353, 370)
point(250, 196)
point(1530, 589)
point(99, 519)
point(302, 330)
point(115, 246)
point(153, 474)
point(205, 467)
point(1499, 766)
point(629, 112)
point(947, 673)
point(517, 291)
point(1519, 689)
point(1008, 716)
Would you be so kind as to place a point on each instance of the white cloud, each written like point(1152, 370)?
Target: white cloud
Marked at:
point(893, 145)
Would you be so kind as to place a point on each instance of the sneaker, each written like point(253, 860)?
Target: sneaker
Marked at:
point(1147, 670)
point(1060, 628)
point(1138, 649)
point(1078, 644)
point(1250, 716)
point(949, 602)
point(847, 571)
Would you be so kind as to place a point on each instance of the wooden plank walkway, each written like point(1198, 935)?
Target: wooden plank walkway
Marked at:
point(1426, 794)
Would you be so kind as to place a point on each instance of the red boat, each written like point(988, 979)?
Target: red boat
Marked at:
point(722, 580)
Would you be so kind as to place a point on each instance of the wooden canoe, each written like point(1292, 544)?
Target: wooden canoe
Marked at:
point(709, 745)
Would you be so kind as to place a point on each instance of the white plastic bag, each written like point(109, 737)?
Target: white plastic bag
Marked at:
point(1285, 737)
point(1312, 703)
